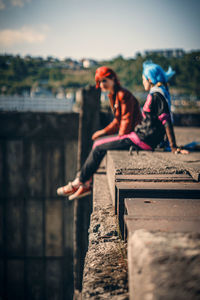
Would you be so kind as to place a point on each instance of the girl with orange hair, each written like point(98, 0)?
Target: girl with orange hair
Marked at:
point(118, 135)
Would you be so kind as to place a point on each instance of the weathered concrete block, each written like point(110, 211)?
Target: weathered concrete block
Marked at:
point(38, 151)
point(1, 278)
point(68, 279)
point(15, 279)
point(1, 229)
point(111, 174)
point(34, 229)
point(14, 168)
point(68, 264)
point(35, 284)
point(82, 208)
point(34, 168)
point(68, 225)
point(53, 167)
point(2, 159)
point(54, 279)
point(15, 227)
point(42, 125)
point(105, 270)
point(54, 229)
point(70, 152)
point(163, 266)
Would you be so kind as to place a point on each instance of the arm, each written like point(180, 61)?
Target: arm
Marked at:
point(165, 117)
point(110, 129)
point(126, 117)
point(113, 127)
point(129, 113)
point(171, 136)
point(172, 141)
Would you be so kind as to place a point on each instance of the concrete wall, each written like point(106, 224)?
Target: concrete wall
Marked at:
point(38, 153)
point(89, 122)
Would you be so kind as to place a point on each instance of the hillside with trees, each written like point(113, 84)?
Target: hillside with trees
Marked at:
point(19, 75)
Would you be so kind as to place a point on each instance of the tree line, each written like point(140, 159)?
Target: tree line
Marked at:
point(19, 74)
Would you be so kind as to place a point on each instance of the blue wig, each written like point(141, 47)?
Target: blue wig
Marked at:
point(155, 73)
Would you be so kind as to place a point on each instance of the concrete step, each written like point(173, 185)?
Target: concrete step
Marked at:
point(153, 177)
point(160, 214)
point(163, 265)
point(162, 207)
point(162, 223)
point(182, 190)
point(161, 197)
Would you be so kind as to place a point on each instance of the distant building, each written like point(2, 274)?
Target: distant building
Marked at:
point(88, 63)
point(60, 94)
point(40, 92)
point(168, 53)
point(71, 95)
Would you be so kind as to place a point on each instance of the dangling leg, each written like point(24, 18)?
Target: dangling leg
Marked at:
point(93, 161)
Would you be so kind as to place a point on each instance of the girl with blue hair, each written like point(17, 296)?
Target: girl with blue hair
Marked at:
point(158, 79)
point(156, 111)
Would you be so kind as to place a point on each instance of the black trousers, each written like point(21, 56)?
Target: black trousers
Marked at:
point(97, 154)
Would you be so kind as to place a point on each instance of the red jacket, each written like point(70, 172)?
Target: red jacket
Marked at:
point(127, 113)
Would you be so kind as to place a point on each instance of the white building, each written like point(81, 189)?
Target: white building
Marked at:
point(88, 63)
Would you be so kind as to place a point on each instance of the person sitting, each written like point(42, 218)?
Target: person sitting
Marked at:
point(144, 135)
point(157, 119)
point(127, 115)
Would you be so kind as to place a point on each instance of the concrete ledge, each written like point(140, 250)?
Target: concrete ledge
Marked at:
point(168, 215)
point(154, 175)
point(164, 266)
point(147, 162)
point(105, 269)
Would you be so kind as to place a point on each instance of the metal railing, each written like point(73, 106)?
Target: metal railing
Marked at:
point(26, 104)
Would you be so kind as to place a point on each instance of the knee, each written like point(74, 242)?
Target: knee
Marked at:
point(97, 151)
point(94, 145)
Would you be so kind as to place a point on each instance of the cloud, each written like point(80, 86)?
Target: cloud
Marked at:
point(19, 3)
point(2, 5)
point(10, 37)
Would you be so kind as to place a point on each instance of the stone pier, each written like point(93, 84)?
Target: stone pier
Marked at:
point(145, 226)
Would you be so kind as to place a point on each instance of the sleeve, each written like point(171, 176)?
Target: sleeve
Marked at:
point(113, 127)
point(126, 116)
point(122, 122)
point(161, 110)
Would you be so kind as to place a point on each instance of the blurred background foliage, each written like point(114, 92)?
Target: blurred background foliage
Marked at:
point(19, 74)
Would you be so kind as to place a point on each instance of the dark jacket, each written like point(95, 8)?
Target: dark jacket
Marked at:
point(156, 117)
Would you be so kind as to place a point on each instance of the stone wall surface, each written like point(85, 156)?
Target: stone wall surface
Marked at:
point(164, 265)
point(161, 264)
point(36, 226)
point(105, 270)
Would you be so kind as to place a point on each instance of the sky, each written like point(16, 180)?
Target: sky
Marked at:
point(98, 29)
